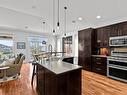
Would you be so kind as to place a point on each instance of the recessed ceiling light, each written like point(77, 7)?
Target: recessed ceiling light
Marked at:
point(34, 7)
point(73, 21)
point(80, 18)
point(98, 17)
point(26, 27)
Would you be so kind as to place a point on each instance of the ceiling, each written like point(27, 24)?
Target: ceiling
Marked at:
point(30, 14)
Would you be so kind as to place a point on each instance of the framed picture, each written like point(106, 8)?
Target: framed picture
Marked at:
point(21, 45)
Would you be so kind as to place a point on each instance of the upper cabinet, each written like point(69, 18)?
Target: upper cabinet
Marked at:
point(119, 29)
point(123, 28)
point(115, 30)
point(103, 35)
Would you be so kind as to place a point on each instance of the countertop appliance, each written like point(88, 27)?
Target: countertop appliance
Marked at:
point(118, 41)
point(117, 65)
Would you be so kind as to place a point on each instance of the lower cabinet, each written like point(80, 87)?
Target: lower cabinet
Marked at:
point(40, 79)
point(50, 83)
point(99, 65)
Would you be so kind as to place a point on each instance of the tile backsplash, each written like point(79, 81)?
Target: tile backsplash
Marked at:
point(104, 51)
point(122, 49)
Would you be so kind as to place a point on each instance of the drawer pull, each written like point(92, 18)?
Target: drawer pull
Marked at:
point(98, 58)
point(98, 69)
point(98, 63)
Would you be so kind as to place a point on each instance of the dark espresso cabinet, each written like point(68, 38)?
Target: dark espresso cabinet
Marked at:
point(103, 35)
point(91, 41)
point(99, 65)
point(66, 83)
point(85, 47)
point(119, 29)
point(123, 28)
point(40, 78)
point(115, 30)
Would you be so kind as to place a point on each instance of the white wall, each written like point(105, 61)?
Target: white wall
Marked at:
point(22, 36)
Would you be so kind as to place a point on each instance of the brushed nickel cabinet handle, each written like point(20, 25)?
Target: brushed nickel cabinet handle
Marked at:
point(98, 58)
point(98, 69)
point(98, 63)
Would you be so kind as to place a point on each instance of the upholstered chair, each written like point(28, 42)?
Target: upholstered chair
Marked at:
point(15, 68)
point(14, 65)
point(1, 74)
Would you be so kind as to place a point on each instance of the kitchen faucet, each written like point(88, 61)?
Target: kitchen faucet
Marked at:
point(50, 48)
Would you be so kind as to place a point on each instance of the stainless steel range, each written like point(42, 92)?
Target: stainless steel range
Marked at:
point(117, 64)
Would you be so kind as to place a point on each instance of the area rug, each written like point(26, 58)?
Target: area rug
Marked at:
point(10, 79)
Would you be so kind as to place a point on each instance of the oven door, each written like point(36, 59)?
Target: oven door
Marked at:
point(117, 72)
point(120, 63)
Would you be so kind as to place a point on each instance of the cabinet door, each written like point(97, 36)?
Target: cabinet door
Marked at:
point(87, 58)
point(50, 83)
point(100, 37)
point(40, 79)
point(114, 30)
point(81, 47)
point(106, 35)
point(123, 28)
point(103, 35)
point(119, 29)
point(85, 48)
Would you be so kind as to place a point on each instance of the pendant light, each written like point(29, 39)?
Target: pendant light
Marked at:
point(65, 18)
point(44, 27)
point(58, 16)
point(53, 17)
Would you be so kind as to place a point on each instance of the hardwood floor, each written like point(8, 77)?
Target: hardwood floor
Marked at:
point(92, 84)
point(20, 86)
point(95, 84)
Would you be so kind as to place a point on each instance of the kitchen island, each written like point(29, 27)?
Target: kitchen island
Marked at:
point(58, 78)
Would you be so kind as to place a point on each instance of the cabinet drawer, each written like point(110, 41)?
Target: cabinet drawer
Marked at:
point(100, 70)
point(100, 59)
point(104, 67)
point(100, 64)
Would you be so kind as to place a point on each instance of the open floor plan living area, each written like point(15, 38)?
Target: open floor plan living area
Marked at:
point(63, 47)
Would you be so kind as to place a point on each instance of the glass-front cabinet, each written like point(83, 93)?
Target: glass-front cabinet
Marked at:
point(67, 46)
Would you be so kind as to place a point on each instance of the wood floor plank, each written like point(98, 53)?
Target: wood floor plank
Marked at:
point(95, 84)
point(20, 86)
point(92, 84)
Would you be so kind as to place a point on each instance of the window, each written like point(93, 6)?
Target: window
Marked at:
point(6, 47)
point(36, 45)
